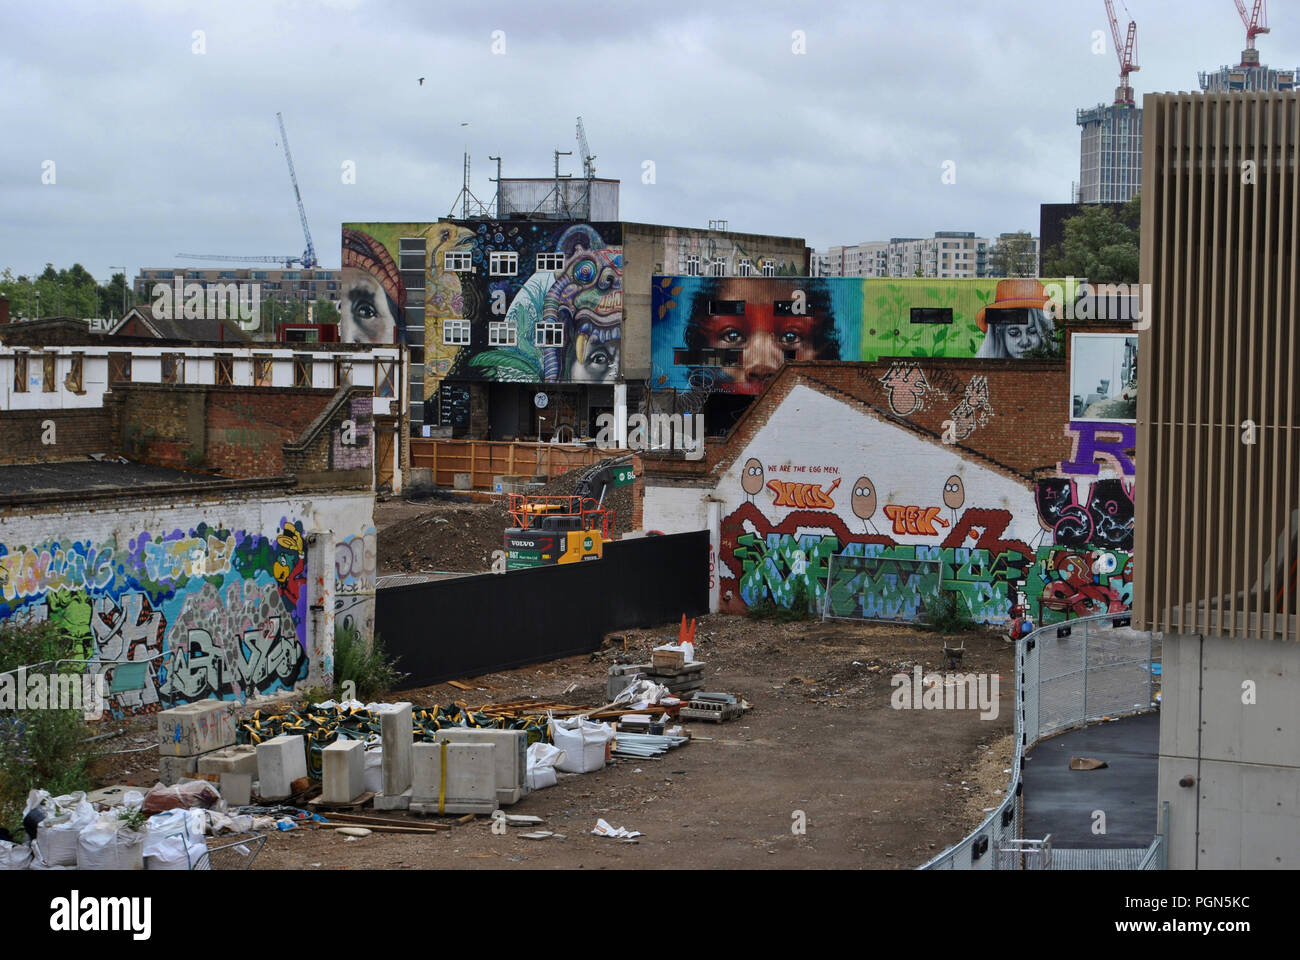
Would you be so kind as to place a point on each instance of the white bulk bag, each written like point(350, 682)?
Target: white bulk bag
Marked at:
point(56, 837)
point(583, 742)
point(14, 856)
point(109, 844)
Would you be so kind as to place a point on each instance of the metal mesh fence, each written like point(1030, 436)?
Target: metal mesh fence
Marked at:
point(891, 589)
point(1067, 675)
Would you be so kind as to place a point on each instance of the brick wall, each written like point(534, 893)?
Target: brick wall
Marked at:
point(77, 433)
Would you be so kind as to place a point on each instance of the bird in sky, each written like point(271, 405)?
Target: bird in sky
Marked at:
point(422, 81)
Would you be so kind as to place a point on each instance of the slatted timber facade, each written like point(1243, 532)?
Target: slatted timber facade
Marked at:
point(1217, 516)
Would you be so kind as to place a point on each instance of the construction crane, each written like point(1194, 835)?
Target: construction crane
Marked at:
point(1256, 22)
point(308, 255)
point(1126, 51)
point(308, 258)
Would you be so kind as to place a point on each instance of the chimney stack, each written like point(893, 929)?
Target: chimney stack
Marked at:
point(4, 309)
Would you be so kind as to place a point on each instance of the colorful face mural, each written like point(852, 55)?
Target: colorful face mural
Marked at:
point(736, 331)
point(372, 304)
point(211, 612)
point(543, 301)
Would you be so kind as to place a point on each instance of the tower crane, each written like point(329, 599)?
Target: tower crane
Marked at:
point(1256, 22)
point(1126, 51)
point(308, 257)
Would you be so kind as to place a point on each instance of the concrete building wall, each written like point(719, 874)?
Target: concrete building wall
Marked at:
point(240, 592)
point(651, 249)
point(1230, 721)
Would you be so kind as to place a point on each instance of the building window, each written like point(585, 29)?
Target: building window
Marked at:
point(225, 370)
point(746, 267)
point(20, 373)
point(550, 261)
point(502, 333)
point(503, 264)
point(47, 372)
point(119, 368)
point(718, 268)
point(692, 266)
point(549, 333)
point(261, 370)
point(76, 372)
point(384, 386)
point(769, 268)
point(726, 308)
point(460, 262)
point(455, 332)
point(301, 370)
point(342, 372)
point(173, 368)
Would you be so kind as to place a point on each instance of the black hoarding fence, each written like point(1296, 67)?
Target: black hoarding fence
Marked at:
point(469, 626)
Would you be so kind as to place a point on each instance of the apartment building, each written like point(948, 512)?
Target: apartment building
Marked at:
point(286, 286)
point(948, 255)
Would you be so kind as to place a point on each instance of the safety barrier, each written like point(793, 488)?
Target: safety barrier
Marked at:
point(1067, 675)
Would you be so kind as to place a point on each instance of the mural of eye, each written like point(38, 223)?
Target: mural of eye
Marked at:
point(751, 478)
point(607, 278)
point(731, 335)
point(585, 270)
point(791, 338)
point(1105, 564)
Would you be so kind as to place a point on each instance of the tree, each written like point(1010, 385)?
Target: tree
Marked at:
point(324, 311)
point(1100, 245)
point(1013, 256)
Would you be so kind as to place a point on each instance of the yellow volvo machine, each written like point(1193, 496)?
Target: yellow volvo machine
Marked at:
point(555, 529)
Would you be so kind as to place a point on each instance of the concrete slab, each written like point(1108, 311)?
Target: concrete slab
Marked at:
point(237, 788)
point(471, 778)
point(280, 761)
point(172, 770)
point(399, 801)
point(195, 728)
point(510, 750)
point(396, 731)
point(343, 771)
point(1061, 801)
point(241, 758)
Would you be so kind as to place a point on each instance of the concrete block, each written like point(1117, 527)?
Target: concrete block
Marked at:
point(172, 770)
point(397, 801)
point(510, 749)
point(194, 728)
point(237, 788)
point(471, 778)
point(241, 758)
point(396, 731)
point(343, 770)
point(462, 481)
point(280, 761)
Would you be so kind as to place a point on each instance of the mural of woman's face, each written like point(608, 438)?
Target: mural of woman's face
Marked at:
point(1020, 338)
point(594, 361)
point(762, 337)
point(365, 315)
point(751, 477)
point(864, 498)
point(954, 493)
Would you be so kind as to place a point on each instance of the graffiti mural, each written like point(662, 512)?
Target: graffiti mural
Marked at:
point(212, 612)
point(741, 329)
point(1071, 583)
point(519, 300)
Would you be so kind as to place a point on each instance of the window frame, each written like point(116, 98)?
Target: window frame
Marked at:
point(543, 330)
point(456, 332)
point(544, 259)
point(21, 358)
point(497, 327)
point(458, 261)
point(503, 263)
point(263, 370)
point(224, 369)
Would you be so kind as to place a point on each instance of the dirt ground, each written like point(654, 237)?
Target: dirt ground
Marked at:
point(878, 787)
point(444, 533)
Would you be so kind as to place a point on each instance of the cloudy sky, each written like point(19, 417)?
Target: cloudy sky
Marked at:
point(159, 149)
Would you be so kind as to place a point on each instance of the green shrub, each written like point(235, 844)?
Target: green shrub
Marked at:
point(362, 663)
point(39, 749)
point(945, 611)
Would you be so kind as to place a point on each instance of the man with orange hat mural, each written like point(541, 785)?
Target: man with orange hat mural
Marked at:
point(1018, 321)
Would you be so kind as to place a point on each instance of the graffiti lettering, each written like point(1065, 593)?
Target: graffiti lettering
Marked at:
point(1091, 443)
point(917, 521)
point(807, 496)
point(1105, 520)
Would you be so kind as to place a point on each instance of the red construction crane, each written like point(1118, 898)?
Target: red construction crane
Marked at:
point(1126, 51)
point(1256, 22)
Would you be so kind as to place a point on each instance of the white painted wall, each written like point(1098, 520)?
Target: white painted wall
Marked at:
point(199, 368)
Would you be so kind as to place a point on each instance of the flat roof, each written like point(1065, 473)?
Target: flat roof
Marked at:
point(84, 476)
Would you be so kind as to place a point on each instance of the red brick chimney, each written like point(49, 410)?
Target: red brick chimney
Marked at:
point(4, 309)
